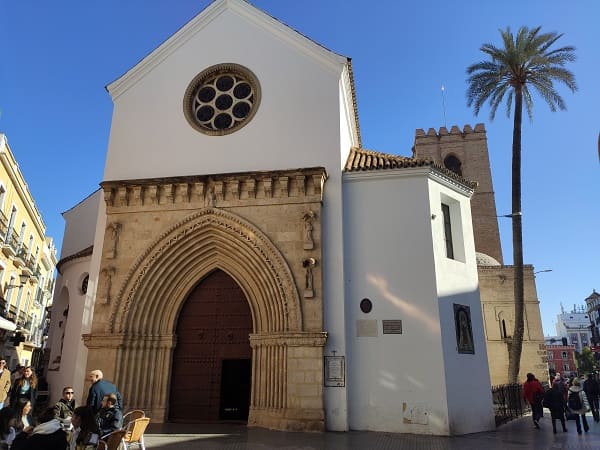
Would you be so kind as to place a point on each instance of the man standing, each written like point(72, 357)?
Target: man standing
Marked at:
point(4, 382)
point(100, 388)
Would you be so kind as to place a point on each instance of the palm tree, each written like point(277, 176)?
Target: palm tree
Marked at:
point(525, 61)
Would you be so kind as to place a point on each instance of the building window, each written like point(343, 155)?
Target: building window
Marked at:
point(503, 333)
point(452, 163)
point(564, 355)
point(566, 367)
point(550, 355)
point(221, 99)
point(448, 231)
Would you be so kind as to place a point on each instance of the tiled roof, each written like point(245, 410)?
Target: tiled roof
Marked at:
point(362, 160)
point(85, 252)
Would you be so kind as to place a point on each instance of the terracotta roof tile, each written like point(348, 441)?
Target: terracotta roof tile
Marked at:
point(362, 160)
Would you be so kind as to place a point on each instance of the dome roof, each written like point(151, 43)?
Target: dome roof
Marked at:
point(485, 260)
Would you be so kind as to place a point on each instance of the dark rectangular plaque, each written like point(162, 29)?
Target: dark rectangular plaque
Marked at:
point(392, 326)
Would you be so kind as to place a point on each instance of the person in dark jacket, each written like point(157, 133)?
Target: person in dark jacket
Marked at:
point(592, 391)
point(99, 388)
point(533, 392)
point(48, 435)
point(63, 409)
point(555, 402)
point(24, 387)
point(109, 418)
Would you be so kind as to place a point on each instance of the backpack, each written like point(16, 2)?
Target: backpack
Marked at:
point(574, 401)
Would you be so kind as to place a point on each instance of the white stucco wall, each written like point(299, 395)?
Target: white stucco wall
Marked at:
point(80, 225)
point(80, 233)
point(467, 376)
point(400, 382)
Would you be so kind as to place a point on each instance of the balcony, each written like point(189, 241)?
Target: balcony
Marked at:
point(11, 244)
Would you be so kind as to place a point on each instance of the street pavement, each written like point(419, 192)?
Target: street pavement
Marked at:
point(518, 434)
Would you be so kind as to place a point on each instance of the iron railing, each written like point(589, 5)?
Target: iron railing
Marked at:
point(508, 402)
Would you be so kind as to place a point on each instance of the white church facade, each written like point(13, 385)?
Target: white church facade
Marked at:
point(246, 259)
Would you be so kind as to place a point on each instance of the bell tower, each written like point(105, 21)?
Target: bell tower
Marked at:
point(465, 153)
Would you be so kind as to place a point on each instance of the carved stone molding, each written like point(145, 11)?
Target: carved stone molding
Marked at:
point(305, 185)
point(113, 230)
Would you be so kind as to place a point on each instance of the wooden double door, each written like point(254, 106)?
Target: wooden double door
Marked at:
point(210, 375)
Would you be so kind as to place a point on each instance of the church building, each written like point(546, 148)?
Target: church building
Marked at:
point(245, 258)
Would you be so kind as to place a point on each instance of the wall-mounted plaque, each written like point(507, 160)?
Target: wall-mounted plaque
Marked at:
point(366, 328)
point(392, 326)
point(335, 371)
point(464, 331)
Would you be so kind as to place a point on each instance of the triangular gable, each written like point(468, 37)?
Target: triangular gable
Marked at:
point(244, 9)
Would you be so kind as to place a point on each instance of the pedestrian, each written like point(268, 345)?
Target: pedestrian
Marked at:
point(109, 418)
point(591, 387)
point(63, 409)
point(533, 392)
point(86, 433)
point(24, 387)
point(558, 379)
point(99, 388)
point(555, 402)
point(578, 406)
point(48, 435)
point(4, 382)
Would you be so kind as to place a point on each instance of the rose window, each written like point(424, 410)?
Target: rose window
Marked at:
point(222, 99)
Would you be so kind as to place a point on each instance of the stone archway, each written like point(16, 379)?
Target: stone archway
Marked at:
point(135, 325)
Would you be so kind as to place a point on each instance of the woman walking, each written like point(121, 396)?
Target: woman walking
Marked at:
point(533, 392)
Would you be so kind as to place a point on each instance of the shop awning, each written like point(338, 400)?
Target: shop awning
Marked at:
point(7, 324)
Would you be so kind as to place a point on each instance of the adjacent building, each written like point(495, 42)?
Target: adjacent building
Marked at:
point(27, 263)
point(247, 259)
point(561, 357)
point(575, 326)
point(465, 152)
point(593, 309)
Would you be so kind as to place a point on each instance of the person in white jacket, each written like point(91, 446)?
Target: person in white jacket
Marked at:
point(578, 405)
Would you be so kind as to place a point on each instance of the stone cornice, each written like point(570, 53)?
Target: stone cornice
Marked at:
point(225, 190)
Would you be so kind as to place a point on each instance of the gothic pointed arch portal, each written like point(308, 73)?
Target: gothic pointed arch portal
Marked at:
point(210, 376)
point(148, 271)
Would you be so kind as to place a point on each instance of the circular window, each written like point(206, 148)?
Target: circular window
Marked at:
point(366, 305)
point(84, 284)
point(221, 99)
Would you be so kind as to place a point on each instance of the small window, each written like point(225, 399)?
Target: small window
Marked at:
point(550, 355)
point(566, 367)
point(564, 355)
point(453, 163)
point(448, 231)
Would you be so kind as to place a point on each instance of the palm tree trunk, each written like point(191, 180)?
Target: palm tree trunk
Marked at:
point(514, 357)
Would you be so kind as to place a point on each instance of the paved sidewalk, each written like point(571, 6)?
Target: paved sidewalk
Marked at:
point(518, 434)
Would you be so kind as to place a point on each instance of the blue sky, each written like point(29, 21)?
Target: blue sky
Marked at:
point(56, 57)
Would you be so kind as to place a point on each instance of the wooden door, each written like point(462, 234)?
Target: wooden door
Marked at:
point(212, 331)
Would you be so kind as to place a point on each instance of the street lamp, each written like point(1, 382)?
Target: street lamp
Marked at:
point(542, 271)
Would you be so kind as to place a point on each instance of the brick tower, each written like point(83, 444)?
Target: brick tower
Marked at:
point(465, 152)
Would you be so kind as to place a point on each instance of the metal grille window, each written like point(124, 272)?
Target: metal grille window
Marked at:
point(448, 231)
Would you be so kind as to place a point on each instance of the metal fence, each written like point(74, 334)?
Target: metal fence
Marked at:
point(508, 402)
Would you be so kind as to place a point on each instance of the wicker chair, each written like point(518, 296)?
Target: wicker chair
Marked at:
point(131, 416)
point(135, 433)
point(114, 439)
